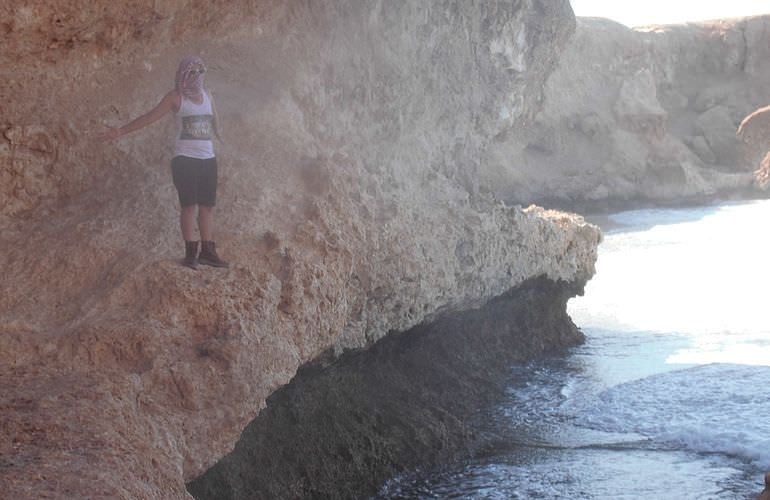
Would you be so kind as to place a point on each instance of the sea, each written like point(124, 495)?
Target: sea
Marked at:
point(668, 398)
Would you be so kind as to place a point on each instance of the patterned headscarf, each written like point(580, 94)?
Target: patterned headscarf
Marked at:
point(189, 76)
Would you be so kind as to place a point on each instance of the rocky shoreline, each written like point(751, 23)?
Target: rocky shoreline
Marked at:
point(343, 426)
point(602, 207)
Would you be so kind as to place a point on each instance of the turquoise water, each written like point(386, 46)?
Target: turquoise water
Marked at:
point(669, 398)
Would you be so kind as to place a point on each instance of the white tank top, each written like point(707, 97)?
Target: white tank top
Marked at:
point(195, 125)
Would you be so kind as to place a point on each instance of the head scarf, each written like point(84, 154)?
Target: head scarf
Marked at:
point(189, 77)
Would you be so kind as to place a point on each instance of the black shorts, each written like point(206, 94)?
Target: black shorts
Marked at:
point(195, 180)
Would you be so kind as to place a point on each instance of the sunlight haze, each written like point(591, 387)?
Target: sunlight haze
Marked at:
point(634, 13)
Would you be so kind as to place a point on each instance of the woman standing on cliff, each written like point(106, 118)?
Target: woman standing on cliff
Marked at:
point(194, 165)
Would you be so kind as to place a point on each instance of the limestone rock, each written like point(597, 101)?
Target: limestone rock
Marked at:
point(708, 98)
point(341, 428)
point(757, 48)
point(762, 175)
point(637, 105)
point(601, 192)
point(351, 204)
point(718, 129)
point(591, 125)
point(622, 103)
point(701, 148)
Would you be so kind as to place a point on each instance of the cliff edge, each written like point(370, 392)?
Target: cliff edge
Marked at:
point(351, 205)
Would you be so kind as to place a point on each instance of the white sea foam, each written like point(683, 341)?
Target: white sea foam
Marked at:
point(697, 280)
point(710, 408)
point(699, 272)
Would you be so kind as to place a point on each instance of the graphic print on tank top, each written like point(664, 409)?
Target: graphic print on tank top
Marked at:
point(195, 125)
point(197, 128)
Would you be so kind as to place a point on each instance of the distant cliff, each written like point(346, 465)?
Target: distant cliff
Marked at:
point(353, 203)
point(648, 114)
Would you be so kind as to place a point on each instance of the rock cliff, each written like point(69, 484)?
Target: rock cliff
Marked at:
point(352, 203)
point(646, 114)
point(413, 400)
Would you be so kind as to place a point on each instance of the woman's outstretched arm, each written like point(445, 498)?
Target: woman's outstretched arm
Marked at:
point(169, 102)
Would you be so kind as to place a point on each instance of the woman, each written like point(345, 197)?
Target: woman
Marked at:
point(194, 166)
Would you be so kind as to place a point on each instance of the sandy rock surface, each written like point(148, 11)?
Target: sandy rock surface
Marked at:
point(352, 203)
point(640, 115)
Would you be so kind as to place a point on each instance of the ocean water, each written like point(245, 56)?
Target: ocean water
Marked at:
point(669, 398)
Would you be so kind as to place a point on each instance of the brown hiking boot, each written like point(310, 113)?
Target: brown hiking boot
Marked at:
point(209, 257)
point(190, 254)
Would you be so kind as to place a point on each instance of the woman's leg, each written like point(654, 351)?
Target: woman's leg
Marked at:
point(208, 255)
point(185, 181)
point(187, 222)
point(207, 198)
point(205, 222)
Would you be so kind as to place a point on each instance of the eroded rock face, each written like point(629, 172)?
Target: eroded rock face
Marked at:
point(644, 114)
point(352, 203)
point(340, 429)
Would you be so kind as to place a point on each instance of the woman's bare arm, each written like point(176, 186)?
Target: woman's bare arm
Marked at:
point(169, 102)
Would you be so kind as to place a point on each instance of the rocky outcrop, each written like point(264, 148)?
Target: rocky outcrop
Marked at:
point(753, 133)
point(352, 204)
point(644, 114)
point(339, 430)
